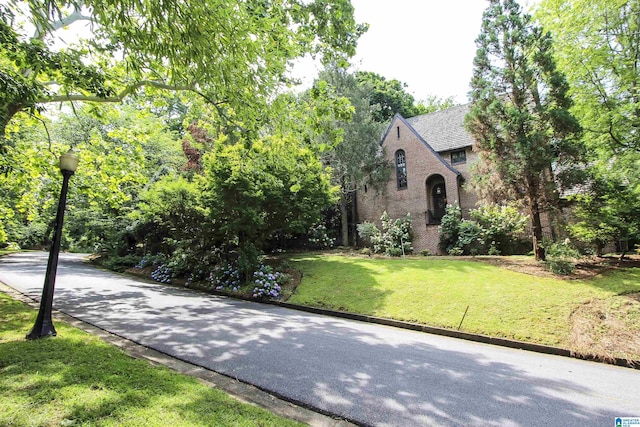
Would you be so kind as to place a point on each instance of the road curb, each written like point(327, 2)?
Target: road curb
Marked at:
point(486, 339)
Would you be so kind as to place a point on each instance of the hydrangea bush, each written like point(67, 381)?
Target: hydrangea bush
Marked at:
point(225, 277)
point(162, 274)
point(266, 282)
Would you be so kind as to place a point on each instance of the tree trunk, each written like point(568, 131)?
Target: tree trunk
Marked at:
point(536, 225)
point(6, 114)
point(354, 219)
point(344, 218)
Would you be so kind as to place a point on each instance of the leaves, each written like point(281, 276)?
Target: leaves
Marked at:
point(235, 54)
point(519, 115)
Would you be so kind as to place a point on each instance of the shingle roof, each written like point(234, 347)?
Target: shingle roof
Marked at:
point(443, 130)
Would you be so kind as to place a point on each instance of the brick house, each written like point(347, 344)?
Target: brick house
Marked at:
point(431, 155)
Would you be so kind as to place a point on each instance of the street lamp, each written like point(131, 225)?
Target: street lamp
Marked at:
point(44, 326)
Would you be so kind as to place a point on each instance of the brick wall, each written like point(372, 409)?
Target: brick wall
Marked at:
point(424, 169)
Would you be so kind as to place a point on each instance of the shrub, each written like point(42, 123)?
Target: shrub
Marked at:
point(502, 225)
point(267, 282)
point(148, 260)
point(471, 237)
point(450, 228)
point(455, 251)
point(121, 263)
point(366, 251)
point(225, 277)
point(425, 252)
point(162, 274)
point(370, 234)
point(396, 235)
point(319, 237)
point(394, 239)
point(561, 257)
point(493, 250)
point(492, 230)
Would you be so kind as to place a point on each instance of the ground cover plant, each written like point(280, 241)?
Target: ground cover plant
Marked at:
point(540, 307)
point(76, 379)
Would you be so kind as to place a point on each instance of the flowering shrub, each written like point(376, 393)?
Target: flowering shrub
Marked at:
point(393, 240)
point(162, 274)
point(144, 261)
point(195, 276)
point(266, 281)
point(319, 237)
point(225, 277)
point(148, 260)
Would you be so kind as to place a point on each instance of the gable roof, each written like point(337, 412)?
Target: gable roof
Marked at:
point(443, 130)
point(421, 139)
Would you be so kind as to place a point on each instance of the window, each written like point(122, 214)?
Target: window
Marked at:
point(398, 130)
point(401, 169)
point(459, 156)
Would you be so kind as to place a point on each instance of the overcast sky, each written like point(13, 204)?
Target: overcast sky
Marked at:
point(427, 44)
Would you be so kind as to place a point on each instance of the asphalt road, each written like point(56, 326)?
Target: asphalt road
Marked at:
point(370, 374)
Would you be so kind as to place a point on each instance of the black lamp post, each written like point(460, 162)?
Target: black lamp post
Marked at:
point(44, 326)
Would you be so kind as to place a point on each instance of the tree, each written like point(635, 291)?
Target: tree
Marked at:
point(392, 98)
point(608, 211)
point(358, 159)
point(122, 149)
point(598, 48)
point(235, 54)
point(525, 135)
point(253, 190)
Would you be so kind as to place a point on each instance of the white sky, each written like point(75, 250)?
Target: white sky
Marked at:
point(427, 44)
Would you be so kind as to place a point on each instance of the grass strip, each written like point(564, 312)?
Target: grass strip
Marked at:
point(436, 292)
point(76, 379)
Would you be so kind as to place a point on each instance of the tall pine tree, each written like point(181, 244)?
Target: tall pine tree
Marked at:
point(519, 118)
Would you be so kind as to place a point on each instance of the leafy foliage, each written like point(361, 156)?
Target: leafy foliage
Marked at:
point(319, 237)
point(391, 98)
point(520, 114)
point(597, 48)
point(608, 211)
point(561, 257)
point(176, 46)
point(357, 160)
point(394, 239)
point(252, 192)
point(492, 230)
point(267, 282)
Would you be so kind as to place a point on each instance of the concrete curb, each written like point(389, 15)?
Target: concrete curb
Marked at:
point(486, 339)
point(240, 390)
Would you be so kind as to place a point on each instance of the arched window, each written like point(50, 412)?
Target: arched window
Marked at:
point(401, 169)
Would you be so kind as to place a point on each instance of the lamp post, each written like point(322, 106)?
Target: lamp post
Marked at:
point(44, 326)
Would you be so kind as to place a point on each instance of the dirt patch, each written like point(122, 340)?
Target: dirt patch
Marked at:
point(291, 285)
point(586, 268)
point(607, 328)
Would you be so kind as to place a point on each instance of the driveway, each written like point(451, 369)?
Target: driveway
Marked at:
point(370, 374)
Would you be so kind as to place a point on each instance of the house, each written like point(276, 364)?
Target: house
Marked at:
point(431, 155)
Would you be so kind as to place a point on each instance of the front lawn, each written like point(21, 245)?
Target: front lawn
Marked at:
point(505, 303)
point(76, 379)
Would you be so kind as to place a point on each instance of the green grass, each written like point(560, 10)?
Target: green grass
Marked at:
point(77, 379)
point(437, 291)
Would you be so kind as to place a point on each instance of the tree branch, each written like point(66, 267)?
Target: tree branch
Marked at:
point(67, 20)
point(116, 98)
